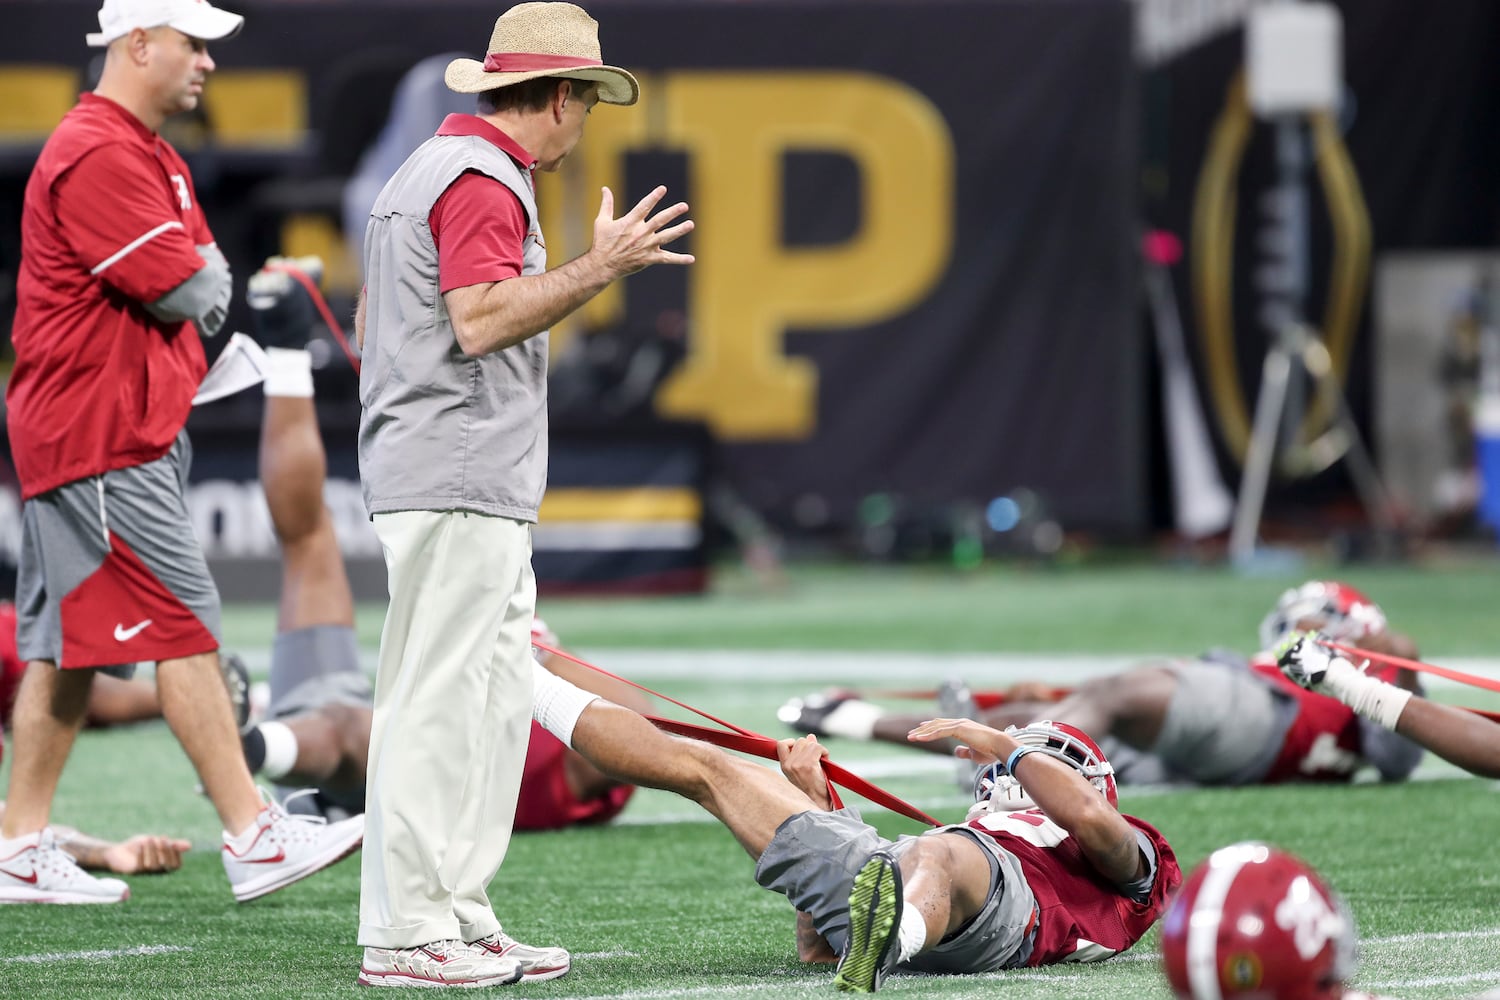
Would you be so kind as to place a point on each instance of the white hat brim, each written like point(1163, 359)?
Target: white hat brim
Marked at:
point(616, 86)
point(204, 22)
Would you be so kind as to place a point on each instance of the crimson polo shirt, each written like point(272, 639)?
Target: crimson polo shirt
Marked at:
point(478, 225)
point(110, 221)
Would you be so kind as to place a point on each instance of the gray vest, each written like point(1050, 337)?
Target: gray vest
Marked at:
point(439, 430)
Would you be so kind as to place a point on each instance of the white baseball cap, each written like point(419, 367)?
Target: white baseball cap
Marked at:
point(195, 18)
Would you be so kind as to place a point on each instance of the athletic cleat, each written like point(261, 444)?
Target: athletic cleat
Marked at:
point(875, 904)
point(287, 849)
point(438, 963)
point(237, 681)
point(35, 869)
point(810, 715)
point(537, 964)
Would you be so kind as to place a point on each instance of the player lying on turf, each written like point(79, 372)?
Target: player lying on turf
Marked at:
point(1216, 720)
point(1471, 741)
point(1069, 880)
point(318, 728)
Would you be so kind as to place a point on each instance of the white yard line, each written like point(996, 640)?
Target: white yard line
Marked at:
point(1492, 976)
point(650, 665)
point(98, 956)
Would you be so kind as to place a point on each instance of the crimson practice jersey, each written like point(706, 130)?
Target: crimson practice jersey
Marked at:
point(546, 802)
point(1324, 742)
point(1082, 916)
point(110, 222)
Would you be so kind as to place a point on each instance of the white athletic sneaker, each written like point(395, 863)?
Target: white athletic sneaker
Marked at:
point(287, 848)
point(537, 964)
point(439, 963)
point(35, 870)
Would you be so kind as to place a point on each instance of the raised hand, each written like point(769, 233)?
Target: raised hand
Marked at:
point(636, 240)
point(981, 744)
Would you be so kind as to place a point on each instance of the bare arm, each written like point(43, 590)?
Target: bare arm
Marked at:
point(1105, 838)
point(141, 854)
point(802, 763)
point(1463, 738)
point(495, 315)
point(812, 946)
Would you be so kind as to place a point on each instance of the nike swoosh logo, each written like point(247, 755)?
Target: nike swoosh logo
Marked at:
point(280, 855)
point(123, 634)
point(31, 878)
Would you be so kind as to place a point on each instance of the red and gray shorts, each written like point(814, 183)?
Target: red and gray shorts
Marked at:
point(111, 572)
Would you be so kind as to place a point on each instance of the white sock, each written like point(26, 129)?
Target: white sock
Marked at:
point(281, 749)
point(288, 373)
point(853, 720)
point(15, 845)
point(912, 935)
point(240, 842)
point(1370, 697)
point(556, 704)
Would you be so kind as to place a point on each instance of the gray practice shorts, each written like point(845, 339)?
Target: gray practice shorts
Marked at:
point(1225, 725)
point(120, 548)
point(316, 666)
point(814, 856)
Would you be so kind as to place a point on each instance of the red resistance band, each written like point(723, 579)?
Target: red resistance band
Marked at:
point(322, 306)
point(1472, 680)
point(733, 737)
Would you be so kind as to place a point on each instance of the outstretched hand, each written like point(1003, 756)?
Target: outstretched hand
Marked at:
point(146, 854)
point(979, 742)
point(635, 240)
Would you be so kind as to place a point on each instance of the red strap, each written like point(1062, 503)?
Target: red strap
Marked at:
point(528, 62)
point(1453, 675)
point(745, 741)
point(322, 306)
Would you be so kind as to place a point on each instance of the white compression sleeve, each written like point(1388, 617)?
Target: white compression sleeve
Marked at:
point(556, 704)
point(1370, 697)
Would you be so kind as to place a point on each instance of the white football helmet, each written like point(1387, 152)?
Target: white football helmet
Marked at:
point(997, 790)
point(1347, 614)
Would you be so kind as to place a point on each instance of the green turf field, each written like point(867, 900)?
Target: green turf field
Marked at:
point(662, 904)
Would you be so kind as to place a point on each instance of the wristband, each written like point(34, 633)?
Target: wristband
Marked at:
point(1015, 757)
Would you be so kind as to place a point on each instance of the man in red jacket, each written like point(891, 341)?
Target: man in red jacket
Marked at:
point(120, 277)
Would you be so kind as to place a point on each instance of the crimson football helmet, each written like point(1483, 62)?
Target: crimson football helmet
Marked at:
point(998, 789)
point(1255, 922)
point(1347, 614)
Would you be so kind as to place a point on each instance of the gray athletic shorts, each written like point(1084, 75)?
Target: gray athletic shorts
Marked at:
point(316, 666)
point(814, 856)
point(111, 573)
point(1225, 725)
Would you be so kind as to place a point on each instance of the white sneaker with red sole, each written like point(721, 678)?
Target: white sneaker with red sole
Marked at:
point(287, 848)
point(33, 869)
point(438, 963)
point(537, 964)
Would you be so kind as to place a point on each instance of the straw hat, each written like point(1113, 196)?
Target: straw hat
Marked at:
point(543, 39)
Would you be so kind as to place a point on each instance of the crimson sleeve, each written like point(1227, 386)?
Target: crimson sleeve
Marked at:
point(119, 212)
point(479, 228)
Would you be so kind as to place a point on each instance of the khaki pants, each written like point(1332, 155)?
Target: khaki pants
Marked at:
point(452, 717)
